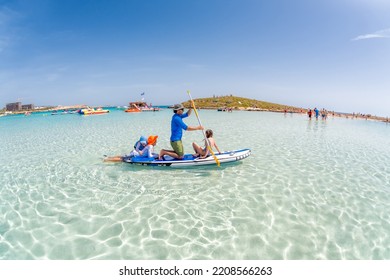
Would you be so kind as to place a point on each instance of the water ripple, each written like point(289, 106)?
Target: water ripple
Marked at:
point(310, 190)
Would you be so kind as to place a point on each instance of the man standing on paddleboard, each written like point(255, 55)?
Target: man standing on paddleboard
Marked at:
point(177, 127)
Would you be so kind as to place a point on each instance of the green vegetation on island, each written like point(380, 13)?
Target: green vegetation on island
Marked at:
point(228, 102)
point(239, 103)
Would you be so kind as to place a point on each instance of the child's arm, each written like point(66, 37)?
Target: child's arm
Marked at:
point(137, 147)
point(206, 151)
point(205, 155)
point(215, 145)
point(147, 152)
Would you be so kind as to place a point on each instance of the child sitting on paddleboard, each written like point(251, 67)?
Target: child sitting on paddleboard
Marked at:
point(204, 152)
point(138, 147)
point(149, 149)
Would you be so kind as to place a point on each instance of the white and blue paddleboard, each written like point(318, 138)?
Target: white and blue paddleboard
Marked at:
point(189, 160)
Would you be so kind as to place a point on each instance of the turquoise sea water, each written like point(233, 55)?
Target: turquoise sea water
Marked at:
point(310, 189)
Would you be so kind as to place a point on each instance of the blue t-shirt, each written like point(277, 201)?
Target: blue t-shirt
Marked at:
point(177, 126)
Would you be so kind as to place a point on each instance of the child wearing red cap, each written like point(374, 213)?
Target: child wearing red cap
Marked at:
point(138, 147)
point(148, 150)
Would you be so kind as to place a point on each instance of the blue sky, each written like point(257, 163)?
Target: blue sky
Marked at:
point(324, 53)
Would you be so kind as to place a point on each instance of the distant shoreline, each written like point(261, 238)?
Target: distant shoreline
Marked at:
point(304, 112)
point(335, 114)
point(288, 109)
point(232, 102)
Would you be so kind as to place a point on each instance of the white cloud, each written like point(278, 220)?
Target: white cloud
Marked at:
point(385, 33)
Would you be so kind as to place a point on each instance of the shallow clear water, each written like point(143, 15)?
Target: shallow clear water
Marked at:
point(310, 189)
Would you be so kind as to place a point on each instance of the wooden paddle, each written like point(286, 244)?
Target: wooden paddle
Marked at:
point(200, 123)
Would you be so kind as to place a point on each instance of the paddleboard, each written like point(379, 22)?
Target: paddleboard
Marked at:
point(189, 160)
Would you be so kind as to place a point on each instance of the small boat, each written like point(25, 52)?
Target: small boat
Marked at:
point(92, 111)
point(133, 108)
point(189, 160)
point(141, 106)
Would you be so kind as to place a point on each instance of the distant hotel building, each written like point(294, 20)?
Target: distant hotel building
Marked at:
point(28, 107)
point(17, 106)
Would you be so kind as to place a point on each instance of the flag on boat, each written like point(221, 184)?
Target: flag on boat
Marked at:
point(142, 94)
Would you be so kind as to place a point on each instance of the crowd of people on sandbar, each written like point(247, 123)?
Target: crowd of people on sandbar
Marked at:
point(317, 113)
point(144, 147)
point(325, 113)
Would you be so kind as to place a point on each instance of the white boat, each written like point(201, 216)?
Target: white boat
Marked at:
point(189, 160)
point(141, 106)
